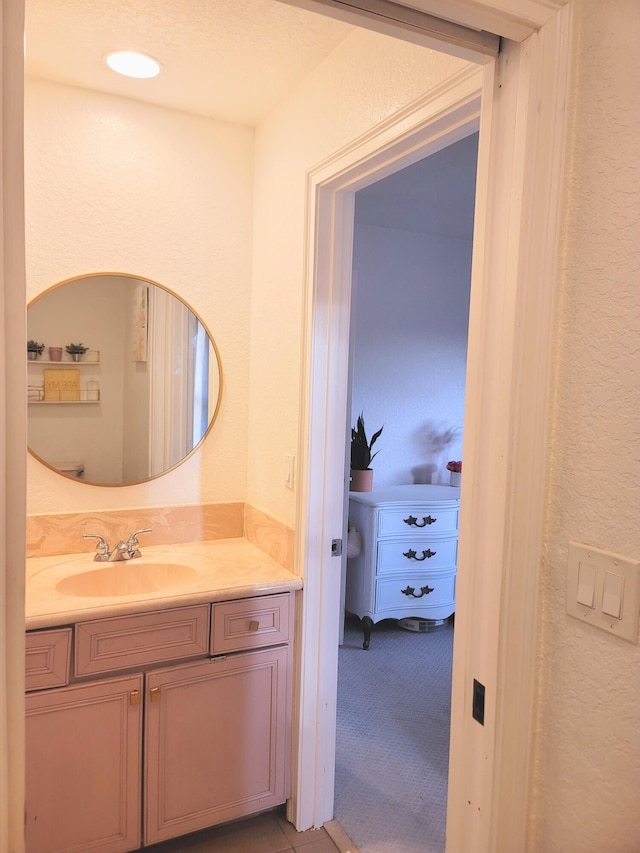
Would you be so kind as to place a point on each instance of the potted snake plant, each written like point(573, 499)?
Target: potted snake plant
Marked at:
point(362, 456)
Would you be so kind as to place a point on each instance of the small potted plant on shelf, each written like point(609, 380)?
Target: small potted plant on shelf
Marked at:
point(455, 472)
point(34, 349)
point(361, 457)
point(76, 350)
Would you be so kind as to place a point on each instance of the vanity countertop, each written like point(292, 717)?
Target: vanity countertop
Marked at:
point(224, 569)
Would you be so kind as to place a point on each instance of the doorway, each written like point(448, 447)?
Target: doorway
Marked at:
point(441, 118)
point(520, 178)
point(412, 252)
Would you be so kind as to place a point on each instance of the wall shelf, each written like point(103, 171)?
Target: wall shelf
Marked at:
point(62, 402)
point(63, 381)
point(35, 397)
point(92, 357)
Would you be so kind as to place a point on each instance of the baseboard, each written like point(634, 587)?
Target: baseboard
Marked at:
point(339, 837)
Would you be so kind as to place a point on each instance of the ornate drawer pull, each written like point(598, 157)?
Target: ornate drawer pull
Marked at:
point(254, 625)
point(412, 521)
point(134, 697)
point(155, 694)
point(424, 590)
point(413, 555)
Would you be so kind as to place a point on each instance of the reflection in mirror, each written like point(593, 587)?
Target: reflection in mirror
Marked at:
point(142, 396)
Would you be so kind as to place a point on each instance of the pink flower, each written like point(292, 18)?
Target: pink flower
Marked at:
point(454, 466)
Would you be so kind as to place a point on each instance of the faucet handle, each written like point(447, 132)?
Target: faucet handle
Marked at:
point(133, 539)
point(133, 543)
point(102, 548)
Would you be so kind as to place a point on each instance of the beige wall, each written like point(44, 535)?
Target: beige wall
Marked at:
point(119, 186)
point(114, 185)
point(365, 80)
point(588, 762)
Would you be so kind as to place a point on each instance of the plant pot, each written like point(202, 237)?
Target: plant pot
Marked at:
point(55, 353)
point(32, 355)
point(75, 356)
point(455, 478)
point(361, 481)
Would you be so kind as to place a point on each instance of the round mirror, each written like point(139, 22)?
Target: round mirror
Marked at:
point(124, 379)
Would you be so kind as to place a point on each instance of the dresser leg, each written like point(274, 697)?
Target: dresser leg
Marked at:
point(367, 625)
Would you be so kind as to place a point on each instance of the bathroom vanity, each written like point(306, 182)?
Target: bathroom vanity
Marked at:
point(156, 715)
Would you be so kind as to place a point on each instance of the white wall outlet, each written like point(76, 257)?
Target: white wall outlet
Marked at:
point(289, 471)
point(604, 590)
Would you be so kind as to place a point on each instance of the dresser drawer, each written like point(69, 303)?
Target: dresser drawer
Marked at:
point(417, 519)
point(110, 645)
point(413, 554)
point(251, 623)
point(440, 597)
point(47, 660)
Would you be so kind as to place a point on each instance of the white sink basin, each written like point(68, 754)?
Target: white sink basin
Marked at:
point(127, 578)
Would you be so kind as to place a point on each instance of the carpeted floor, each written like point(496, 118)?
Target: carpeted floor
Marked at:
point(394, 706)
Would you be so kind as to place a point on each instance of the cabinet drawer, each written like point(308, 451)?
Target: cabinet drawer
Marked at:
point(417, 519)
point(441, 597)
point(110, 645)
point(251, 623)
point(414, 554)
point(47, 658)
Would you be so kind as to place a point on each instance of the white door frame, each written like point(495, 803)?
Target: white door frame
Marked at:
point(518, 205)
point(13, 427)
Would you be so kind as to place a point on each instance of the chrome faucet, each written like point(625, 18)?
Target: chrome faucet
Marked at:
point(123, 551)
point(102, 548)
point(128, 550)
point(132, 544)
point(120, 553)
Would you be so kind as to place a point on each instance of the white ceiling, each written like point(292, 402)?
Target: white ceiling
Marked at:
point(235, 60)
point(229, 59)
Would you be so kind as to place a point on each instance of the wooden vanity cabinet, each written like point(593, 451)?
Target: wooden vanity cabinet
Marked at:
point(217, 732)
point(215, 741)
point(83, 747)
point(199, 743)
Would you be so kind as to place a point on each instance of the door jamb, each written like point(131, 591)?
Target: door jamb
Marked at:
point(443, 116)
point(507, 425)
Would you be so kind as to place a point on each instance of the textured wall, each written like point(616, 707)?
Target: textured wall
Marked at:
point(588, 762)
point(365, 80)
point(118, 186)
point(410, 349)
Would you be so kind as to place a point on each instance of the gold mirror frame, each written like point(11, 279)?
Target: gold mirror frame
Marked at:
point(141, 280)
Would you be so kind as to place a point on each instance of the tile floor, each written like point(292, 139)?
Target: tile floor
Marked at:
point(266, 833)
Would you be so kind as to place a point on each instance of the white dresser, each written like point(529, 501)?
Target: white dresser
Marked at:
point(407, 565)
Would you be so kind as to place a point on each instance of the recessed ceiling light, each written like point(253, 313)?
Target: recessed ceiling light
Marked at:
point(133, 64)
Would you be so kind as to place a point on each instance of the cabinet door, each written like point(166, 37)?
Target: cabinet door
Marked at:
point(216, 741)
point(83, 767)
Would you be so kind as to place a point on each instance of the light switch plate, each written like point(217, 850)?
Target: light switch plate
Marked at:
point(611, 582)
